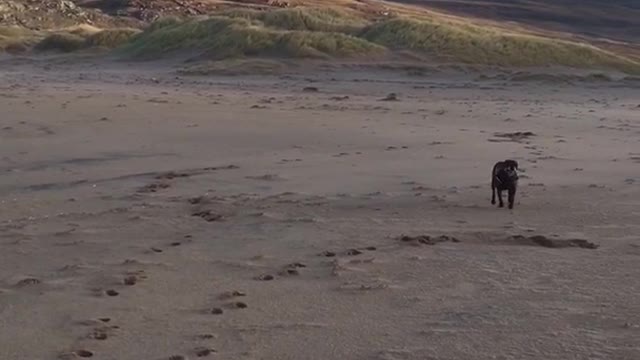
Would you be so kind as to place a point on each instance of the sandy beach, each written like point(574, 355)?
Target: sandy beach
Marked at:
point(146, 214)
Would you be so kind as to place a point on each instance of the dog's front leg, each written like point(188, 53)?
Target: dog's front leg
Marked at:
point(512, 196)
point(500, 202)
point(493, 195)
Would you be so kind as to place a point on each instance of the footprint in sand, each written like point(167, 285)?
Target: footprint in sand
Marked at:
point(130, 280)
point(100, 334)
point(232, 294)
point(544, 241)
point(289, 272)
point(426, 239)
point(111, 292)
point(216, 311)
point(390, 97)
point(353, 252)
point(267, 177)
point(177, 357)
point(240, 305)
point(153, 188)
point(29, 281)
point(78, 353)
point(265, 277)
point(208, 215)
point(203, 351)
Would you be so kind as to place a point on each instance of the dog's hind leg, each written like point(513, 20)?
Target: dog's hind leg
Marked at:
point(500, 202)
point(493, 195)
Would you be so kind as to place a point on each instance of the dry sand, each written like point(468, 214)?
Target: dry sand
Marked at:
point(145, 215)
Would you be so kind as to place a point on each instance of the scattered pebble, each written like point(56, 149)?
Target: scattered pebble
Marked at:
point(112, 292)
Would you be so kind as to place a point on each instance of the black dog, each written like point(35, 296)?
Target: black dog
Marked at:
point(504, 177)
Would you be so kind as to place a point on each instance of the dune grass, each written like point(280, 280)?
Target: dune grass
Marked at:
point(64, 42)
point(111, 38)
point(85, 37)
point(304, 19)
point(17, 39)
point(483, 45)
point(225, 37)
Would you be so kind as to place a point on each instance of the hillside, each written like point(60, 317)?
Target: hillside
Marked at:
point(214, 30)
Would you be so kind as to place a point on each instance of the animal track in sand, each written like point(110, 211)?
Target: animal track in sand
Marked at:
point(177, 357)
point(208, 215)
point(232, 294)
point(82, 353)
point(518, 136)
point(265, 277)
point(111, 292)
point(130, 280)
point(99, 334)
point(29, 281)
point(289, 272)
point(203, 351)
point(266, 177)
point(153, 187)
point(390, 97)
point(216, 311)
point(426, 239)
point(240, 305)
point(544, 241)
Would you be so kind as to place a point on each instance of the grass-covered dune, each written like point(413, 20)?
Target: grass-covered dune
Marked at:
point(15, 39)
point(238, 33)
point(310, 32)
point(307, 32)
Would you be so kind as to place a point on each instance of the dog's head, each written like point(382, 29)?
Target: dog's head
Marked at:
point(510, 164)
point(510, 167)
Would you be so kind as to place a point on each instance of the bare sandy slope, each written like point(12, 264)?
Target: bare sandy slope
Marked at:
point(102, 170)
